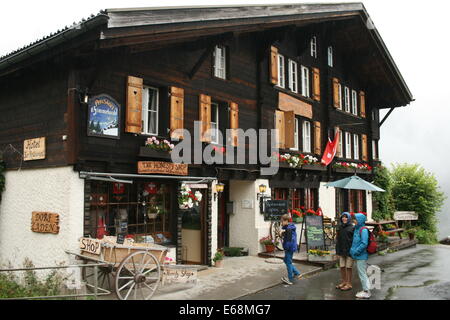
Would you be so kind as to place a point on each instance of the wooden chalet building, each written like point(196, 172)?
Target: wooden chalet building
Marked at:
point(78, 106)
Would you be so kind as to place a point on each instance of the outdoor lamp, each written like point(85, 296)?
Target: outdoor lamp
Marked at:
point(219, 189)
point(262, 190)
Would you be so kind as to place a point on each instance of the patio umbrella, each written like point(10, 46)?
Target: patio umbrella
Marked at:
point(354, 183)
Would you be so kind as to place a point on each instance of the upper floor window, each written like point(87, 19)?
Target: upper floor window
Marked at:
point(214, 122)
point(354, 103)
point(348, 145)
point(356, 146)
point(293, 83)
point(305, 81)
point(150, 110)
point(295, 135)
point(347, 99)
point(220, 62)
point(340, 150)
point(281, 77)
point(374, 149)
point(314, 47)
point(340, 96)
point(306, 134)
point(330, 56)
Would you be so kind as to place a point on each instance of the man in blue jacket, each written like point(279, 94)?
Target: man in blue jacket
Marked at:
point(359, 253)
point(289, 246)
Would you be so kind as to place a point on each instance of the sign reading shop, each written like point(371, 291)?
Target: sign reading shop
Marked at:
point(103, 117)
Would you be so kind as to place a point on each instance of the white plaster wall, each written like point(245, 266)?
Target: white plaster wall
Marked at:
point(247, 226)
point(369, 207)
point(327, 200)
point(57, 190)
point(214, 220)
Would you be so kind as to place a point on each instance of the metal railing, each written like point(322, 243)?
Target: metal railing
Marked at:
point(97, 290)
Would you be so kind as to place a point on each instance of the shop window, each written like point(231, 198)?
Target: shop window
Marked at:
point(301, 198)
point(150, 110)
point(147, 208)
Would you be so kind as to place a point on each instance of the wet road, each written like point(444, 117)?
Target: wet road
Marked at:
point(420, 273)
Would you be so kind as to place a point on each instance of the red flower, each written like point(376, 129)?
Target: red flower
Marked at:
point(297, 213)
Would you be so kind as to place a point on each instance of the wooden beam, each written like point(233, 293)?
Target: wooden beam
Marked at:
point(386, 116)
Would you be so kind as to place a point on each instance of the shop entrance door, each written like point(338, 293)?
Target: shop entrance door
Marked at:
point(194, 226)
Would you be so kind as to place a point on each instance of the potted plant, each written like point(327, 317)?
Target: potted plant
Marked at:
point(411, 233)
point(269, 243)
point(319, 255)
point(218, 259)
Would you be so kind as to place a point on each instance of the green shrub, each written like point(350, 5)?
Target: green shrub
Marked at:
point(2, 177)
point(383, 202)
point(426, 236)
point(232, 251)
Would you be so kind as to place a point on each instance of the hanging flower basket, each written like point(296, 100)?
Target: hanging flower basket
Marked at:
point(188, 199)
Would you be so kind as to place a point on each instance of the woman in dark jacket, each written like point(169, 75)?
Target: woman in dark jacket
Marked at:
point(343, 245)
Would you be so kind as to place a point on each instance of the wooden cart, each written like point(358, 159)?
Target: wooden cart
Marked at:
point(134, 267)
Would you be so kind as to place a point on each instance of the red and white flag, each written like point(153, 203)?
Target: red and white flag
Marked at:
point(330, 150)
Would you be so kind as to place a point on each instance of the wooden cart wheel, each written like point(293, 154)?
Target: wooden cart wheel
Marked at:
point(138, 276)
point(275, 234)
point(103, 279)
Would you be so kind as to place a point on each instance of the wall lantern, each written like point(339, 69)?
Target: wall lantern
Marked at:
point(262, 190)
point(219, 189)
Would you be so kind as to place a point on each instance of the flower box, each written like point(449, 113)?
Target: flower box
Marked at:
point(316, 258)
point(351, 170)
point(315, 167)
point(148, 152)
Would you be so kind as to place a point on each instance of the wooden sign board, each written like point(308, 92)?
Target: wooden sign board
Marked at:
point(289, 103)
point(34, 149)
point(45, 222)
point(177, 274)
point(314, 232)
point(406, 215)
point(90, 245)
point(179, 169)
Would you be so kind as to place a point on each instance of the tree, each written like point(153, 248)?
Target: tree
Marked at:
point(414, 189)
point(383, 202)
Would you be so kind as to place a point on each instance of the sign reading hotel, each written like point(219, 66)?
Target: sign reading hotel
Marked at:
point(179, 169)
point(45, 222)
point(34, 149)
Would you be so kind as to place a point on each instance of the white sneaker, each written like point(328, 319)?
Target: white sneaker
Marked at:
point(286, 280)
point(363, 295)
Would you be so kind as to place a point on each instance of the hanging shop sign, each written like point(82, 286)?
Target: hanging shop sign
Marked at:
point(274, 209)
point(179, 169)
point(34, 149)
point(103, 117)
point(45, 222)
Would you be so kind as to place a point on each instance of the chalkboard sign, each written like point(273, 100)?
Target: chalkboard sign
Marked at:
point(120, 238)
point(314, 232)
point(274, 209)
point(122, 231)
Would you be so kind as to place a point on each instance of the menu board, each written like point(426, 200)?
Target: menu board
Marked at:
point(274, 209)
point(314, 232)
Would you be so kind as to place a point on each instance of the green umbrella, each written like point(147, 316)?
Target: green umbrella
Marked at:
point(354, 183)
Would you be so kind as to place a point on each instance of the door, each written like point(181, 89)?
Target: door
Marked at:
point(193, 229)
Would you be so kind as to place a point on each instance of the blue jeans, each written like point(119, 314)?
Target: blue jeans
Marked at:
point(291, 269)
point(361, 265)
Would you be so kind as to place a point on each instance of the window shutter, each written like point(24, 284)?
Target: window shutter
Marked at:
point(176, 111)
point(336, 95)
point(279, 124)
point(317, 138)
point(234, 123)
point(289, 135)
point(205, 117)
point(134, 105)
point(364, 148)
point(341, 141)
point(316, 84)
point(273, 65)
point(362, 104)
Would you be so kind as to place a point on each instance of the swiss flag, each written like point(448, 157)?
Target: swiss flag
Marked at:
point(330, 150)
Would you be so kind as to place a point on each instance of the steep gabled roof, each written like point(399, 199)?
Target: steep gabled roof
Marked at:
point(122, 27)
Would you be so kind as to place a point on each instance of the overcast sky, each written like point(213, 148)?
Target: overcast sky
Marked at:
point(414, 32)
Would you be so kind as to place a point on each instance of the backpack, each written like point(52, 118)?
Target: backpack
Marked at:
point(372, 246)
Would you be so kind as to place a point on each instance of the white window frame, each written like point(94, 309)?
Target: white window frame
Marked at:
point(281, 73)
point(347, 99)
point(306, 135)
point(354, 102)
point(340, 146)
point(348, 145)
point(220, 62)
point(296, 141)
point(146, 111)
point(215, 122)
point(293, 76)
point(356, 147)
point(314, 47)
point(330, 56)
point(305, 81)
point(340, 95)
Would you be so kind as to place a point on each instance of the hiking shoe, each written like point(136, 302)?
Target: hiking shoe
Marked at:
point(286, 280)
point(299, 276)
point(363, 295)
